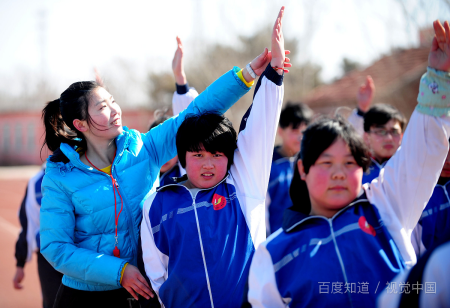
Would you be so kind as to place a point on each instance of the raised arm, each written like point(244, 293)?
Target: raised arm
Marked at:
point(407, 181)
point(364, 99)
point(253, 157)
point(183, 95)
point(218, 97)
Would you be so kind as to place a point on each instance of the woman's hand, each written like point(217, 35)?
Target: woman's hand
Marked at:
point(439, 57)
point(134, 282)
point(365, 94)
point(177, 64)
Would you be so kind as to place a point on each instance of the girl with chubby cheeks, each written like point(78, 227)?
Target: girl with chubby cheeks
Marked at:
point(342, 241)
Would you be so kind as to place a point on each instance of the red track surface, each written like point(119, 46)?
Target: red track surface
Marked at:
point(12, 188)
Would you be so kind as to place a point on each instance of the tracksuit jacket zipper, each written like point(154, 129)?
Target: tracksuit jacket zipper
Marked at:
point(198, 230)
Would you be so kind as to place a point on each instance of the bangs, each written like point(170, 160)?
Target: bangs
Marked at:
point(210, 132)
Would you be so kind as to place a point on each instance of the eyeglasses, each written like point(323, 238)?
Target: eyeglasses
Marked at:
point(384, 132)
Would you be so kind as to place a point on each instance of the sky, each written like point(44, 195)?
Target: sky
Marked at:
point(64, 40)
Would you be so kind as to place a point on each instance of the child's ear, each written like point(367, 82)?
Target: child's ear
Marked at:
point(301, 169)
point(80, 125)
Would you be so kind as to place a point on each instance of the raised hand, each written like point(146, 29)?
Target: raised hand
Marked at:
point(278, 53)
point(365, 94)
point(260, 63)
point(134, 282)
point(177, 64)
point(439, 56)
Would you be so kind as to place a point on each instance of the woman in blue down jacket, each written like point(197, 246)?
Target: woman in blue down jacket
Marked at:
point(96, 182)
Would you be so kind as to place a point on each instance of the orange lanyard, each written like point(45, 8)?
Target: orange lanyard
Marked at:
point(116, 251)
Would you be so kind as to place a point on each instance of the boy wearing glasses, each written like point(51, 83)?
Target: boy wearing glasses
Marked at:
point(381, 126)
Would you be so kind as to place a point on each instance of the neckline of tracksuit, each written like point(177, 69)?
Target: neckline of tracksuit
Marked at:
point(178, 183)
point(122, 143)
point(381, 166)
point(295, 218)
point(444, 187)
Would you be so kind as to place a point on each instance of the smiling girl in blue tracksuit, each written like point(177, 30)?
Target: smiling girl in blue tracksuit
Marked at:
point(341, 241)
point(95, 184)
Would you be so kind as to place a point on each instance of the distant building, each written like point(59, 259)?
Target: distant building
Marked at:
point(22, 135)
point(396, 78)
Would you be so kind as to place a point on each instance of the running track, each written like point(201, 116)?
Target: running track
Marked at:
point(13, 182)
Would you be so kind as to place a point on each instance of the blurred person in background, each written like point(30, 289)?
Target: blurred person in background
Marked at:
point(29, 241)
point(293, 120)
point(381, 126)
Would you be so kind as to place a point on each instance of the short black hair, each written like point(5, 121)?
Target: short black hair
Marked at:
point(210, 131)
point(380, 114)
point(317, 137)
point(295, 114)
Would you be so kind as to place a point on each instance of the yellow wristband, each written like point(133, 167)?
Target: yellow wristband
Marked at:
point(241, 77)
point(123, 270)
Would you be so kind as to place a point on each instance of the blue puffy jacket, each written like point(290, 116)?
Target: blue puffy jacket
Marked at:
point(77, 213)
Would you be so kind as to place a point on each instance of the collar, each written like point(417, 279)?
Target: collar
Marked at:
point(293, 218)
point(374, 161)
point(122, 142)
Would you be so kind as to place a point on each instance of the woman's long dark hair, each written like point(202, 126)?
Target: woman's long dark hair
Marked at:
point(318, 137)
point(59, 114)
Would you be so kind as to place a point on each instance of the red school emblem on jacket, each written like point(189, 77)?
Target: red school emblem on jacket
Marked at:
point(364, 225)
point(219, 202)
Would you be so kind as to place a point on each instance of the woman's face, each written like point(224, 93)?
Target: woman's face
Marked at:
point(334, 180)
point(106, 115)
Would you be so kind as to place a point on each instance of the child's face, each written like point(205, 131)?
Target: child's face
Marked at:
point(384, 140)
point(291, 137)
point(204, 169)
point(333, 181)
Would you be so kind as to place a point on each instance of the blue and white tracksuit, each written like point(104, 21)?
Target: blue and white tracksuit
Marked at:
point(198, 245)
point(434, 224)
point(28, 241)
point(313, 259)
point(278, 198)
point(78, 204)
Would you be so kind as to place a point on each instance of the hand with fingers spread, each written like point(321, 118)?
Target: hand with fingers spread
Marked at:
point(260, 63)
point(177, 64)
point(439, 57)
point(134, 282)
point(365, 94)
